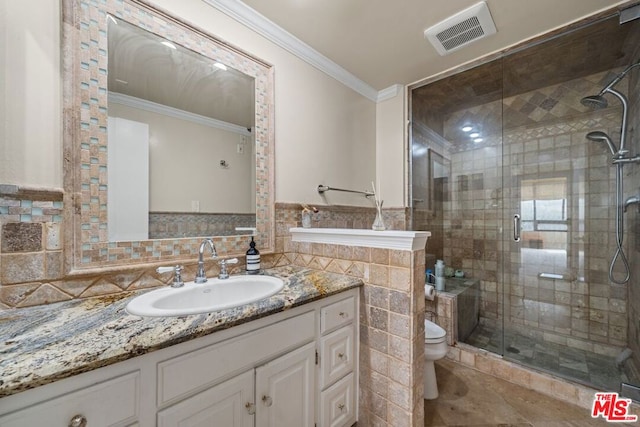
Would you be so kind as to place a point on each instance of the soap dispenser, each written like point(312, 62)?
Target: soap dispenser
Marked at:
point(253, 258)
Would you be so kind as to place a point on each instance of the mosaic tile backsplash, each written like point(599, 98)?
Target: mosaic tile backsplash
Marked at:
point(167, 225)
point(32, 259)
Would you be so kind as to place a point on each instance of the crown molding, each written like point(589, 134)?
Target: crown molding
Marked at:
point(143, 104)
point(257, 22)
point(390, 92)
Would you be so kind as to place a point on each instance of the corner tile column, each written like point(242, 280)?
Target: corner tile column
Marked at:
point(391, 264)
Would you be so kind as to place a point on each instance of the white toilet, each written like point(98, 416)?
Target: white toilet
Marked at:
point(435, 348)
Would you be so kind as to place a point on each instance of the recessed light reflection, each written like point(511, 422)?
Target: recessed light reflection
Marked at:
point(478, 140)
point(168, 44)
point(221, 66)
point(474, 135)
point(466, 128)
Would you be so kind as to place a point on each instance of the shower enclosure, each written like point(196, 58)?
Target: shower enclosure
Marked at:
point(516, 179)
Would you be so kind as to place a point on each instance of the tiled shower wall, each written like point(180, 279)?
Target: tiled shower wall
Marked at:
point(632, 224)
point(583, 310)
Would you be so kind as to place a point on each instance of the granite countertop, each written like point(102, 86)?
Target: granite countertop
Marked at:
point(43, 344)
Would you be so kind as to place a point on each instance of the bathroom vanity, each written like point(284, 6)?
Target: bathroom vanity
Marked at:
point(290, 360)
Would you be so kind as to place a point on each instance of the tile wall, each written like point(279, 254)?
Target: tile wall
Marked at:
point(31, 246)
point(169, 225)
point(391, 311)
point(632, 225)
point(392, 303)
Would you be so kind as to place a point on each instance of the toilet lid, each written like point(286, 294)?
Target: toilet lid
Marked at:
point(433, 331)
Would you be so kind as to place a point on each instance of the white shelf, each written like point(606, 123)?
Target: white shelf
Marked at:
point(388, 239)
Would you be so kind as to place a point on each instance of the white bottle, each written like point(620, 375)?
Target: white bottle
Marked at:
point(440, 275)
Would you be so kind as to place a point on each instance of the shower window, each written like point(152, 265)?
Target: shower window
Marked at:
point(544, 205)
point(543, 209)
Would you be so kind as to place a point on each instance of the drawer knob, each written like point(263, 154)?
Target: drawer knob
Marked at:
point(251, 408)
point(267, 401)
point(341, 407)
point(78, 421)
point(343, 314)
point(340, 355)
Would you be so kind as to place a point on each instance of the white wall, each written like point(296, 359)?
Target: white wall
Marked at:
point(391, 163)
point(184, 165)
point(325, 132)
point(30, 91)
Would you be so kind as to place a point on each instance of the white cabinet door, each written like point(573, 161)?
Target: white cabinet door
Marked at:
point(229, 404)
point(285, 390)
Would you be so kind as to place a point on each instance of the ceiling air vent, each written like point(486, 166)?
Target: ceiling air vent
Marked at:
point(457, 31)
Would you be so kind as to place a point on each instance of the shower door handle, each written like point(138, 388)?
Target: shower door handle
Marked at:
point(516, 228)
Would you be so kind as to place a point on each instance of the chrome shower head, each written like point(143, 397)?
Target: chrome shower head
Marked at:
point(601, 136)
point(596, 102)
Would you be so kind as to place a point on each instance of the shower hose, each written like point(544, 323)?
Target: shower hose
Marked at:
point(619, 231)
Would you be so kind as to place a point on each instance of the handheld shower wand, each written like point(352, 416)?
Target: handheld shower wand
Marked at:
point(601, 136)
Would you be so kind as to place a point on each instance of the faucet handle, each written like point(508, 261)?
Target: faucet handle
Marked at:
point(177, 278)
point(223, 267)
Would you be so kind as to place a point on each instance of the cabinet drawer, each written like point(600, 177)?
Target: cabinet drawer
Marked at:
point(336, 355)
point(337, 314)
point(111, 403)
point(337, 403)
point(194, 371)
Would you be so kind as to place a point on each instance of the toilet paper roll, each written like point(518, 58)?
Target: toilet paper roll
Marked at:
point(429, 292)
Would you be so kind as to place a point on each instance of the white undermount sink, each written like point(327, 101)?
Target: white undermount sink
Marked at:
point(197, 298)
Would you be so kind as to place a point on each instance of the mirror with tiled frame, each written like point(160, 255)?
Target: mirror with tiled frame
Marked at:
point(85, 57)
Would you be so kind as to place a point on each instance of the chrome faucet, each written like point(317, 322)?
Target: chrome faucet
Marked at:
point(201, 276)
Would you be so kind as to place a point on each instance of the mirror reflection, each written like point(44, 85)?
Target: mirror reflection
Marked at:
point(181, 148)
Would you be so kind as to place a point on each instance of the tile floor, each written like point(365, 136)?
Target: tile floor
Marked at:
point(472, 398)
point(588, 368)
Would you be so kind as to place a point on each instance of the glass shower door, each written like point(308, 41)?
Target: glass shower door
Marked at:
point(562, 315)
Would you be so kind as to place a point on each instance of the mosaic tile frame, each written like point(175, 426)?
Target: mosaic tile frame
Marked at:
point(85, 135)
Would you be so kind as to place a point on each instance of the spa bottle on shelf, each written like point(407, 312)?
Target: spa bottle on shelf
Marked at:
point(429, 277)
point(440, 275)
point(253, 258)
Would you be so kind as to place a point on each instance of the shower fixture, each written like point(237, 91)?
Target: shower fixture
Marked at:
point(632, 200)
point(619, 159)
point(601, 136)
point(598, 101)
